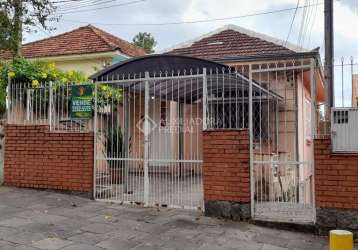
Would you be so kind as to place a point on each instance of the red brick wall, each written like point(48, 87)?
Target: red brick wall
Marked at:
point(336, 177)
point(226, 165)
point(36, 158)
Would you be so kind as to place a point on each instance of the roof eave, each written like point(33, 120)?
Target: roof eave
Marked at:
point(74, 57)
point(314, 54)
point(275, 56)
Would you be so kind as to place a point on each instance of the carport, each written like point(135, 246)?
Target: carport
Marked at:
point(149, 145)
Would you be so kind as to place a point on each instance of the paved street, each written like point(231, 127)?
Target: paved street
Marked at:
point(31, 219)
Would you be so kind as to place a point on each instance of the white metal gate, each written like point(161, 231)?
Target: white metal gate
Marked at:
point(148, 140)
point(281, 141)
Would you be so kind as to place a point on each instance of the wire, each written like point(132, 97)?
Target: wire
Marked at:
point(67, 1)
point(100, 8)
point(196, 21)
point(303, 20)
point(293, 20)
point(308, 24)
point(69, 7)
point(86, 5)
point(313, 23)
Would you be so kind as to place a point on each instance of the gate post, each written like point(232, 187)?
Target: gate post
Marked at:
point(50, 101)
point(8, 99)
point(252, 184)
point(126, 129)
point(146, 139)
point(95, 143)
point(205, 94)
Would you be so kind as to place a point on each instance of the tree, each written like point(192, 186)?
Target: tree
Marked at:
point(17, 16)
point(5, 35)
point(146, 41)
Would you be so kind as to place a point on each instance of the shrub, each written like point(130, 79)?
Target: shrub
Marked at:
point(114, 144)
point(34, 72)
point(38, 72)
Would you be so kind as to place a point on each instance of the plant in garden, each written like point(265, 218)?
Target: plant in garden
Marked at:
point(114, 143)
point(34, 74)
point(37, 72)
point(115, 149)
point(106, 94)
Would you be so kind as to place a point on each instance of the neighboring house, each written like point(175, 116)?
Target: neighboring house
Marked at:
point(354, 90)
point(87, 49)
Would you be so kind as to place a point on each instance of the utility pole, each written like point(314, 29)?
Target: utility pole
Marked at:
point(329, 54)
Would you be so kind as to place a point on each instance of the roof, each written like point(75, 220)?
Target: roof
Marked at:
point(233, 41)
point(84, 40)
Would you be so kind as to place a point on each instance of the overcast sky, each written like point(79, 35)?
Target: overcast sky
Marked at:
point(163, 11)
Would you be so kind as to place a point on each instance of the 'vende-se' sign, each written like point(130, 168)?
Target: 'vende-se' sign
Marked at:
point(81, 101)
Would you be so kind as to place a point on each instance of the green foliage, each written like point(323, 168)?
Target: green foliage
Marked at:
point(106, 94)
point(146, 41)
point(114, 145)
point(38, 73)
point(5, 32)
point(18, 16)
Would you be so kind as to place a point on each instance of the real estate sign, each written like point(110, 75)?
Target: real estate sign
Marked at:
point(81, 101)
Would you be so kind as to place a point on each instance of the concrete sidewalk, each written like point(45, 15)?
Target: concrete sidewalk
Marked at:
point(31, 219)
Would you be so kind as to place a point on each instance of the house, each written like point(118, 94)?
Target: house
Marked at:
point(288, 89)
point(354, 90)
point(87, 49)
point(225, 121)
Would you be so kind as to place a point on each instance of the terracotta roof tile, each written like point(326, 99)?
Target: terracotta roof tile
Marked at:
point(84, 40)
point(229, 41)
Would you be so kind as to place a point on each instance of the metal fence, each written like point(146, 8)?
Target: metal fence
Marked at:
point(27, 105)
point(148, 132)
point(148, 140)
point(345, 94)
point(45, 104)
point(283, 128)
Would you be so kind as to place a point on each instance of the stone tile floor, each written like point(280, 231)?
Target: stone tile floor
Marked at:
point(31, 219)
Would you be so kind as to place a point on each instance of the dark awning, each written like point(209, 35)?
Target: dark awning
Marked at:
point(156, 64)
point(178, 77)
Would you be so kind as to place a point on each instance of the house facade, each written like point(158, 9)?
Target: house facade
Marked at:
point(354, 90)
point(225, 123)
point(87, 49)
point(288, 89)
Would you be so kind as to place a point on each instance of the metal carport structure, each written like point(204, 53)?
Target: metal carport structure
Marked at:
point(166, 102)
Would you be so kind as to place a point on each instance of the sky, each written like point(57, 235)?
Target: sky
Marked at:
point(276, 25)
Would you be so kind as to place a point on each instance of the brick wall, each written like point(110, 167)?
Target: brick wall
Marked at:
point(336, 177)
point(226, 165)
point(36, 158)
